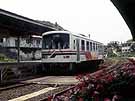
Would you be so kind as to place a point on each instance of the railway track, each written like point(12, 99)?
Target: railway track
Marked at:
point(39, 89)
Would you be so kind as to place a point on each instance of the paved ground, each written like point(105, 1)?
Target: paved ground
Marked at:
point(31, 95)
point(54, 80)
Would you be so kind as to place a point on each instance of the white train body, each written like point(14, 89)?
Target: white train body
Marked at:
point(67, 47)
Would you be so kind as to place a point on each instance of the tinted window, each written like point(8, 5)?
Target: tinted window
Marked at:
point(56, 41)
point(87, 45)
point(91, 46)
point(83, 44)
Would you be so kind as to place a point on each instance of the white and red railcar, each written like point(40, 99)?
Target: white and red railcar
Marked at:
point(67, 47)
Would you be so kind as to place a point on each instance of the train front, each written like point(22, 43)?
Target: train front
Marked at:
point(55, 46)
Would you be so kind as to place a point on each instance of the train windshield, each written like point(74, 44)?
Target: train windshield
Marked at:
point(56, 41)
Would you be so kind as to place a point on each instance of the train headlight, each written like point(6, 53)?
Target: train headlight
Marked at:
point(44, 56)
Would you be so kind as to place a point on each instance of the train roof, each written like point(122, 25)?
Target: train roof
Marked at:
point(50, 32)
point(85, 37)
point(36, 36)
point(75, 34)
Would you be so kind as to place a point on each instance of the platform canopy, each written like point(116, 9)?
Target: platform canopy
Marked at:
point(127, 10)
point(15, 25)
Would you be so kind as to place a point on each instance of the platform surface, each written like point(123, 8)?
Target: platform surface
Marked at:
point(54, 80)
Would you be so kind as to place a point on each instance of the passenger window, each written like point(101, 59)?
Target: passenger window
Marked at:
point(93, 46)
point(82, 44)
point(87, 45)
point(74, 44)
point(96, 46)
point(90, 46)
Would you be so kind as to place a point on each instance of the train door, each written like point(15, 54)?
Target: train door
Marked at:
point(78, 49)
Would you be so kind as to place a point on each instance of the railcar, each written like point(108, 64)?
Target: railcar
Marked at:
point(64, 47)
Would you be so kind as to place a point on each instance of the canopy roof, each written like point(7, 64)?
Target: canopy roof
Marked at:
point(15, 25)
point(126, 9)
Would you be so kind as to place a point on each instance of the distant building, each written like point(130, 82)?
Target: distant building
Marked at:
point(126, 47)
point(30, 48)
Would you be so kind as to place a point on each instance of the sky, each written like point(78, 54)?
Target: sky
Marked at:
point(99, 18)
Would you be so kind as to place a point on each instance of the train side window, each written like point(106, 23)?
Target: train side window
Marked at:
point(82, 44)
point(1, 40)
point(93, 46)
point(96, 46)
point(74, 44)
point(90, 46)
point(87, 45)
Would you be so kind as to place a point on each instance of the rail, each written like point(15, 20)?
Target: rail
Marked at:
point(57, 94)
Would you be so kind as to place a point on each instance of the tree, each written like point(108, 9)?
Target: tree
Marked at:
point(132, 48)
point(114, 45)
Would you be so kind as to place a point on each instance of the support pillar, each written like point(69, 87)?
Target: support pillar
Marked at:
point(71, 66)
point(1, 75)
point(18, 49)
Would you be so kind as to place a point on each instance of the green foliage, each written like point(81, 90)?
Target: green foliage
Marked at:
point(111, 55)
point(128, 54)
point(4, 58)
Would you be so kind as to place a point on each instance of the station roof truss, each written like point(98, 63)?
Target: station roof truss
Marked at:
point(12, 24)
point(126, 9)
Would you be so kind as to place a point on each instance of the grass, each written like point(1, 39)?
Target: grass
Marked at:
point(4, 58)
